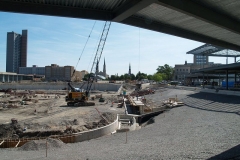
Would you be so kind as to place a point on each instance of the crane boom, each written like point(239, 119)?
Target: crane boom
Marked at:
point(101, 45)
point(98, 54)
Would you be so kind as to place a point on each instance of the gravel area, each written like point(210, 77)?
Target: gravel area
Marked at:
point(207, 127)
point(41, 144)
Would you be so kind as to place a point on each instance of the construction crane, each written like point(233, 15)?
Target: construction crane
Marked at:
point(98, 55)
point(78, 97)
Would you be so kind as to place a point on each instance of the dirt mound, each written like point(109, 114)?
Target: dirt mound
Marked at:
point(8, 131)
point(41, 144)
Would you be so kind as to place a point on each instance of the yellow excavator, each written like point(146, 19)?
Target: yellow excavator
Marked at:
point(78, 97)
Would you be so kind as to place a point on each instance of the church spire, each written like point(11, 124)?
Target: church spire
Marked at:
point(97, 69)
point(104, 69)
point(129, 71)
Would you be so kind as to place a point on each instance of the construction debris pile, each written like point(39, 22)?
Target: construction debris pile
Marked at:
point(137, 103)
point(142, 92)
point(14, 99)
point(172, 102)
point(10, 131)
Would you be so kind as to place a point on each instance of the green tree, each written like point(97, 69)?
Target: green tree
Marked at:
point(126, 76)
point(121, 77)
point(150, 77)
point(141, 76)
point(158, 77)
point(113, 77)
point(86, 76)
point(132, 77)
point(167, 70)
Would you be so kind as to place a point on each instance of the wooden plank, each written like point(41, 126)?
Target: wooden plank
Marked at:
point(2, 142)
point(17, 143)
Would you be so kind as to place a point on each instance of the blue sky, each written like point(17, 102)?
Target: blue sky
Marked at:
point(58, 40)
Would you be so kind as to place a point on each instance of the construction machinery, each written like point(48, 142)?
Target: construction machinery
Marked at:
point(78, 96)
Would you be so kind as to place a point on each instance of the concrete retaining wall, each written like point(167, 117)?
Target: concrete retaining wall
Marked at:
point(145, 85)
point(132, 127)
point(59, 86)
point(120, 90)
point(95, 133)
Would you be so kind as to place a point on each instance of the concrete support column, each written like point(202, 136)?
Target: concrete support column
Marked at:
point(227, 80)
point(203, 80)
point(235, 78)
point(207, 78)
point(218, 79)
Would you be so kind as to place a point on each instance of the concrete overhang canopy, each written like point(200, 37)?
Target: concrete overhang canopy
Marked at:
point(211, 50)
point(210, 76)
point(214, 22)
point(231, 68)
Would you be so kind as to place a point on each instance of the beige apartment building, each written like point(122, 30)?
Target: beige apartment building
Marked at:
point(64, 73)
point(183, 70)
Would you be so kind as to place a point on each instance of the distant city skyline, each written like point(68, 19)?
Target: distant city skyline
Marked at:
point(58, 40)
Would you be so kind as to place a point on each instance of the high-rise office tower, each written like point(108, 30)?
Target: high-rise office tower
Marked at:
point(16, 51)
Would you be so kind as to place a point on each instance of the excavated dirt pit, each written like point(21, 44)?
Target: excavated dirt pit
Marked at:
point(15, 131)
point(47, 114)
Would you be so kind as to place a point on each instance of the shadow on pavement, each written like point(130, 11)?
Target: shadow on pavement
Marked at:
point(231, 154)
point(213, 102)
point(230, 99)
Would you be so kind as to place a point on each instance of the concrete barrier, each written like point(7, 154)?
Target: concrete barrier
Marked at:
point(120, 90)
point(95, 133)
point(145, 85)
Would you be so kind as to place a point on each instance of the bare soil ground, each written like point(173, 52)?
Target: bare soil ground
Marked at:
point(45, 113)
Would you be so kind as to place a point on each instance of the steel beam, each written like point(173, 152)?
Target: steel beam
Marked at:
point(218, 55)
point(227, 79)
point(203, 13)
point(123, 15)
point(130, 8)
point(54, 10)
point(168, 29)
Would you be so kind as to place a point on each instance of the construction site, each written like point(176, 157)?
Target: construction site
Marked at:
point(36, 114)
point(187, 112)
point(41, 121)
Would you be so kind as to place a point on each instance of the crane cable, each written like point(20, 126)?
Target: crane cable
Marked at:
point(139, 50)
point(94, 51)
point(84, 48)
